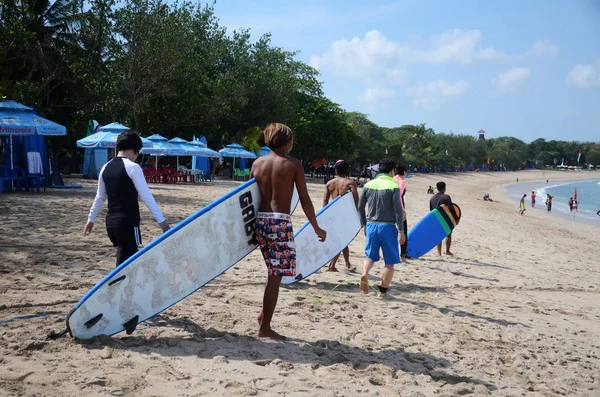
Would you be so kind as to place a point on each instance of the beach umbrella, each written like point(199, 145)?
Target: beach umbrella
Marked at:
point(236, 151)
point(264, 151)
point(160, 146)
point(18, 119)
point(104, 139)
point(199, 149)
point(113, 127)
point(157, 138)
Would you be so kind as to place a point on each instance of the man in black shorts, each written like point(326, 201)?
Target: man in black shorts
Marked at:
point(122, 181)
point(438, 199)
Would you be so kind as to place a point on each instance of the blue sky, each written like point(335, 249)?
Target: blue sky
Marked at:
point(528, 69)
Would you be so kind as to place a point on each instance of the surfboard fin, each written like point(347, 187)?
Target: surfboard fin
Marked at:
point(93, 321)
point(113, 282)
point(131, 325)
point(299, 277)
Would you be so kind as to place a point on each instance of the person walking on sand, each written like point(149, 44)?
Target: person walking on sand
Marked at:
point(383, 223)
point(401, 172)
point(276, 174)
point(438, 199)
point(532, 199)
point(522, 208)
point(122, 181)
point(339, 186)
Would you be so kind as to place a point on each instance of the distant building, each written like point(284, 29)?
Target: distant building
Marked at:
point(481, 134)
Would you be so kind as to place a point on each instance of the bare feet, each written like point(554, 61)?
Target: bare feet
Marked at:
point(270, 334)
point(364, 284)
point(449, 253)
point(332, 269)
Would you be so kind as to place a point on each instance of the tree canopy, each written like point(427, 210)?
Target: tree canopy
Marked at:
point(172, 69)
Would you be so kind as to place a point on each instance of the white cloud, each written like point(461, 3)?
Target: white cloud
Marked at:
point(543, 48)
point(376, 60)
point(512, 81)
point(460, 46)
point(584, 76)
point(375, 96)
point(371, 58)
point(436, 93)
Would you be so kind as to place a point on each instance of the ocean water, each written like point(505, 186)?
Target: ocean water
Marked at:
point(588, 196)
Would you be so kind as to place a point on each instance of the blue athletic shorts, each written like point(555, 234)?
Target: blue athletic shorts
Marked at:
point(384, 237)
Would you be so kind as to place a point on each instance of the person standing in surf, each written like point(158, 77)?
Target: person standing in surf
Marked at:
point(276, 174)
point(549, 202)
point(532, 199)
point(339, 186)
point(384, 225)
point(122, 181)
point(401, 172)
point(438, 199)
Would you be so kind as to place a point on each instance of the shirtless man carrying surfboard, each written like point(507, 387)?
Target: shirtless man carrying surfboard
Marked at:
point(339, 186)
point(275, 175)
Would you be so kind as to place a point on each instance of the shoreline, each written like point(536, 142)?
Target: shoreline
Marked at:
point(539, 187)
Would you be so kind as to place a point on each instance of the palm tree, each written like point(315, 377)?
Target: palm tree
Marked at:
point(46, 29)
point(250, 139)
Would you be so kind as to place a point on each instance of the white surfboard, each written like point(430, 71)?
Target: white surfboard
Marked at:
point(173, 266)
point(341, 221)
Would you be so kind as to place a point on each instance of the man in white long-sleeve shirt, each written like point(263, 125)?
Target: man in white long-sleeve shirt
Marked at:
point(122, 181)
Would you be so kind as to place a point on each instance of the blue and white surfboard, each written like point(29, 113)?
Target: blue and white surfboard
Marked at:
point(171, 267)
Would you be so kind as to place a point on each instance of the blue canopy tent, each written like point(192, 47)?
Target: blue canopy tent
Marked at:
point(236, 150)
point(30, 129)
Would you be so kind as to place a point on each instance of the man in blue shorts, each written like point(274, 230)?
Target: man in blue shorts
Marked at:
point(384, 224)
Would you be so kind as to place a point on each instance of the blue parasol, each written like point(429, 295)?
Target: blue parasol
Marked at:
point(236, 151)
point(264, 151)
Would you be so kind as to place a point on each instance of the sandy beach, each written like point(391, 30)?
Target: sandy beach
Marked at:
point(514, 313)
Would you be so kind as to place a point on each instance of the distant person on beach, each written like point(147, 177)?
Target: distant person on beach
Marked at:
point(430, 190)
point(401, 172)
point(571, 204)
point(532, 199)
point(339, 186)
point(486, 197)
point(384, 225)
point(275, 175)
point(549, 202)
point(522, 205)
point(122, 181)
point(576, 206)
point(438, 199)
